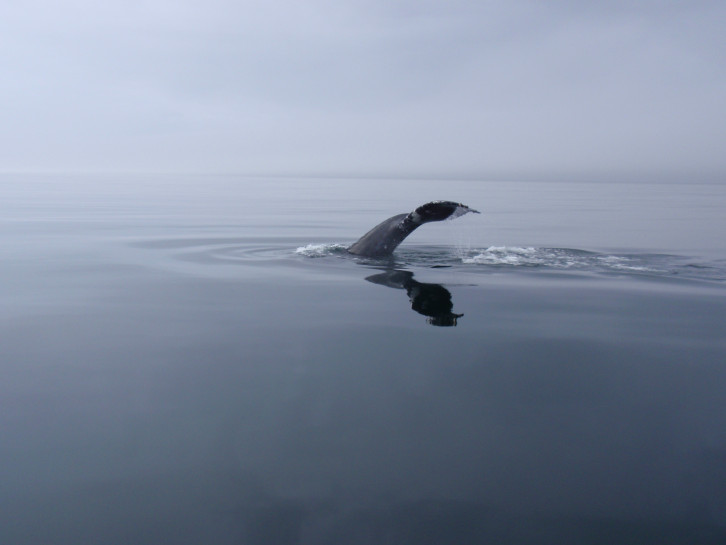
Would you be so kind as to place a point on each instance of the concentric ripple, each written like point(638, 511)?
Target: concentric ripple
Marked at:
point(220, 249)
point(268, 251)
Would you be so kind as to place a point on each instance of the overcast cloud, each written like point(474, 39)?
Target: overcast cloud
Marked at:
point(488, 89)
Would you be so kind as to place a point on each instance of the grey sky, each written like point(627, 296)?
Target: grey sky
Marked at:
point(556, 89)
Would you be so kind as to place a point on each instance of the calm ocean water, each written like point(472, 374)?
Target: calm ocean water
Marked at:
point(196, 359)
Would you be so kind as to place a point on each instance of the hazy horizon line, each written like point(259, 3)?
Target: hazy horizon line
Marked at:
point(615, 177)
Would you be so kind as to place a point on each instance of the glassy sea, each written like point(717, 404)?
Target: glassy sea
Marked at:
point(197, 359)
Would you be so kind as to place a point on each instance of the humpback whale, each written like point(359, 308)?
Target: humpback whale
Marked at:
point(387, 235)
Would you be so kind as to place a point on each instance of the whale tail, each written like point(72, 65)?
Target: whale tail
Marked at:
point(385, 237)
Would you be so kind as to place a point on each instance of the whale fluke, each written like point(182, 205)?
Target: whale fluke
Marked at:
point(385, 237)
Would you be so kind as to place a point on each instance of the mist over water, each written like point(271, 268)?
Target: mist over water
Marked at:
point(193, 359)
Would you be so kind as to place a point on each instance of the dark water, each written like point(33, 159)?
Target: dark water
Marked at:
point(197, 360)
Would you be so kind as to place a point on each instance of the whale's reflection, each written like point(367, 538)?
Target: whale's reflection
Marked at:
point(431, 300)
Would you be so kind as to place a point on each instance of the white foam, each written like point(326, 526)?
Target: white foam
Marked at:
point(621, 263)
point(557, 258)
point(611, 259)
point(505, 255)
point(319, 250)
point(632, 268)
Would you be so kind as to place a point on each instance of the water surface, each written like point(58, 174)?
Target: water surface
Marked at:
point(192, 359)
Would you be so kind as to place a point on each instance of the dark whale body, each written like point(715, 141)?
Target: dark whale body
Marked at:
point(387, 235)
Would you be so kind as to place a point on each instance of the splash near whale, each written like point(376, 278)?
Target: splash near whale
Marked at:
point(385, 237)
